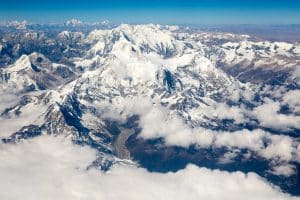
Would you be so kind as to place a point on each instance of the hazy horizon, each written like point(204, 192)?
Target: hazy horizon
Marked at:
point(162, 12)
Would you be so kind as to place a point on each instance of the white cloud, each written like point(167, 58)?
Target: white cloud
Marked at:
point(54, 168)
point(279, 146)
point(7, 100)
point(291, 98)
point(241, 139)
point(268, 116)
point(296, 75)
point(229, 157)
point(157, 121)
point(29, 114)
point(284, 170)
point(223, 111)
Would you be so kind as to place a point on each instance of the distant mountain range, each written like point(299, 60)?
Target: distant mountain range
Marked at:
point(156, 96)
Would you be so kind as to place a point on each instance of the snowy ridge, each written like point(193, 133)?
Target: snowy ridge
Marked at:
point(33, 72)
point(251, 60)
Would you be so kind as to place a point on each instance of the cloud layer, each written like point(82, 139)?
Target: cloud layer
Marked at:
point(157, 121)
point(54, 168)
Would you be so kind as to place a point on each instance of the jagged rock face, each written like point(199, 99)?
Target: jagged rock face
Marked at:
point(99, 95)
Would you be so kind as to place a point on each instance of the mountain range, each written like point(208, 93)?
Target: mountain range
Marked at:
point(158, 97)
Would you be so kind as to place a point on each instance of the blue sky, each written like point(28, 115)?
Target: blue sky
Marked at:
point(155, 11)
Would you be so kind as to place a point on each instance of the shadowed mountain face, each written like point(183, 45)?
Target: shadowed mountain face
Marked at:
point(159, 96)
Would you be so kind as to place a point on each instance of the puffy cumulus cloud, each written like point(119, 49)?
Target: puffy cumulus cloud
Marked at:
point(253, 140)
point(279, 146)
point(263, 143)
point(296, 75)
point(274, 91)
point(267, 113)
point(298, 152)
point(284, 170)
point(54, 168)
point(236, 92)
point(228, 157)
point(291, 98)
point(269, 116)
point(157, 121)
point(223, 111)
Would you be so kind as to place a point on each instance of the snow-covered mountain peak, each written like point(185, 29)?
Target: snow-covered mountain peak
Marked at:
point(33, 72)
point(74, 22)
point(21, 64)
point(68, 35)
point(147, 38)
point(18, 24)
point(143, 58)
point(35, 62)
